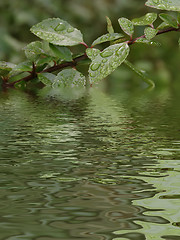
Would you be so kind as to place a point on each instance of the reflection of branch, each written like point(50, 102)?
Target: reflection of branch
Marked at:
point(33, 73)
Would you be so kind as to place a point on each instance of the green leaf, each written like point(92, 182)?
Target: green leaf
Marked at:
point(170, 5)
point(148, 19)
point(178, 17)
point(6, 67)
point(46, 78)
point(107, 37)
point(61, 52)
point(140, 73)
point(69, 78)
point(105, 62)
point(179, 42)
point(126, 26)
point(58, 32)
point(150, 33)
point(163, 25)
point(23, 67)
point(110, 28)
point(43, 60)
point(33, 50)
point(148, 42)
point(169, 20)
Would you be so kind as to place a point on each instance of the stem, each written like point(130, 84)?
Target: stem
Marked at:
point(33, 73)
point(171, 29)
point(84, 44)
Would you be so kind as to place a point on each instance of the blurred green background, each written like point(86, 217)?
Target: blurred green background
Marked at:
point(17, 16)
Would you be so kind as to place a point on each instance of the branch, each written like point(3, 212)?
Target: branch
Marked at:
point(60, 66)
point(171, 29)
point(75, 61)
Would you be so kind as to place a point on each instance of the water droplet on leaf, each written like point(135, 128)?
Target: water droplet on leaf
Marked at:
point(69, 30)
point(106, 53)
point(60, 27)
point(95, 66)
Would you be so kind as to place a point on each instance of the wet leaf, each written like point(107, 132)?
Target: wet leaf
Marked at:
point(140, 73)
point(170, 5)
point(46, 78)
point(61, 52)
point(6, 67)
point(110, 28)
point(150, 33)
point(105, 62)
point(148, 19)
point(169, 20)
point(148, 42)
point(43, 60)
point(33, 50)
point(69, 78)
point(178, 17)
point(107, 37)
point(163, 25)
point(58, 32)
point(23, 67)
point(126, 26)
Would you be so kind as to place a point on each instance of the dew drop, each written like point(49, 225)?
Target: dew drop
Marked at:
point(95, 66)
point(106, 53)
point(70, 29)
point(104, 60)
point(92, 74)
point(60, 27)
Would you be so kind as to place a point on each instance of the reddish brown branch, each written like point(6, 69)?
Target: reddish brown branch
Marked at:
point(33, 73)
point(54, 68)
point(171, 29)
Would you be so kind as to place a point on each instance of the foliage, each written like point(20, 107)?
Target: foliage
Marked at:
point(55, 52)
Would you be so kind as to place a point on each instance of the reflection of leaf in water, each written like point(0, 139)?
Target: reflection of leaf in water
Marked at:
point(60, 179)
point(165, 203)
point(62, 94)
point(152, 231)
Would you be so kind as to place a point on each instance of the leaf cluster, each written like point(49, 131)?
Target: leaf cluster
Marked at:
point(54, 53)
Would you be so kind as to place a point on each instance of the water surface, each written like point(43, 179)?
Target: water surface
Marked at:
point(104, 166)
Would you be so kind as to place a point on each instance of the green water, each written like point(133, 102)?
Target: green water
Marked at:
point(105, 166)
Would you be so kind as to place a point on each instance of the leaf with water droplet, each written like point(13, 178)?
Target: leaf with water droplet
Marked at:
point(178, 17)
point(33, 50)
point(105, 62)
point(92, 52)
point(58, 32)
point(69, 78)
point(110, 28)
point(6, 67)
point(163, 25)
point(46, 78)
point(148, 19)
point(126, 26)
point(148, 42)
point(107, 38)
point(23, 67)
point(140, 73)
point(170, 5)
point(61, 52)
point(150, 33)
point(169, 20)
